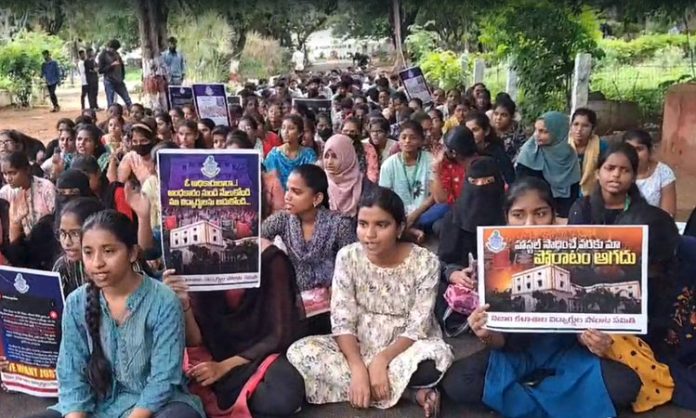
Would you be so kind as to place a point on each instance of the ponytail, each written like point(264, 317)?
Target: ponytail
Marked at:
point(98, 368)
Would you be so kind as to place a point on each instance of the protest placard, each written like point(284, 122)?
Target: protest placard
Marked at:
point(415, 84)
point(180, 96)
point(31, 307)
point(317, 106)
point(234, 100)
point(564, 278)
point(211, 102)
point(211, 202)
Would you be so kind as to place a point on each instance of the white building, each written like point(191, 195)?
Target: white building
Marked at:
point(549, 279)
point(202, 233)
point(557, 281)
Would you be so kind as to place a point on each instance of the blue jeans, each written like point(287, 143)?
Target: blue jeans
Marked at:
point(432, 215)
point(112, 88)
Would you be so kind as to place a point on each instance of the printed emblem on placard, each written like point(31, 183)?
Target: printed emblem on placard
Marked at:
point(495, 243)
point(210, 167)
point(20, 284)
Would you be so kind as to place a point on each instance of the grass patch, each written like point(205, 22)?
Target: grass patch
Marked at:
point(133, 74)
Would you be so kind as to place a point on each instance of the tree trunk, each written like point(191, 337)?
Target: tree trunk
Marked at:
point(152, 27)
point(53, 18)
point(237, 44)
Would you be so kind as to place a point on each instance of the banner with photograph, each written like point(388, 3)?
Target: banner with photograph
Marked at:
point(564, 278)
point(211, 203)
point(317, 106)
point(180, 96)
point(31, 307)
point(415, 84)
point(211, 103)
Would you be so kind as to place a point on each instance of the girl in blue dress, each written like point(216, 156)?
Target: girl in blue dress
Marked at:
point(285, 158)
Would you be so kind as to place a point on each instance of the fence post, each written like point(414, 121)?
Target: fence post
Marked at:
point(479, 70)
point(581, 80)
point(511, 86)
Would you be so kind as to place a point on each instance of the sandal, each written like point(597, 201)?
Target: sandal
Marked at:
point(431, 402)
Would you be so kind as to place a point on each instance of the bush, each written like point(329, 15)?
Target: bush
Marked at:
point(443, 69)
point(640, 49)
point(21, 59)
point(205, 42)
point(263, 58)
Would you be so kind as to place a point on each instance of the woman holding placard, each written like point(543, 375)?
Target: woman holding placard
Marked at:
point(525, 375)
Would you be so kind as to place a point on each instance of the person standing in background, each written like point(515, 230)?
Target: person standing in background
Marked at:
point(111, 65)
point(83, 77)
point(51, 73)
point(92, 79)
point(174, 61)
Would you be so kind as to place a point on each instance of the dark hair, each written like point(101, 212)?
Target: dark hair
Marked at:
point(98, 368)
point(347, 103)
point(297, 121)
point(399, 95)
point(66, 121)
point(507, 103)
point(45, 52)
point(597, 206)
point(137, 105)
point(358, 122)
point(484, 123)
point(221, 130)
point(84, 120)
point(235, 110)
point(309, 125)
point(71, 131)
point(641, 136)
point(382, 123)
point(419, 117)
point(190, 107)
point(86, 164)
point(386, 200)
point(525, 185)
point(95, 135)
point(461, 140)
point(324, 116)
point(118, 107)
point(437, 113)
point(620, 148)
point(417, 100)
point(114, 44)
point(251, 121)
point(118, 118)
point(208, 122)
point(414, 126)
point(179, 111)
point(145, 131)
point(160, 146)
point(588, 113)
point(315, 178)
point(17, 160)
point(82, 208)
point(239, 138)
point(190, 124)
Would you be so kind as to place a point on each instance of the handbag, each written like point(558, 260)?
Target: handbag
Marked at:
point(461, 302)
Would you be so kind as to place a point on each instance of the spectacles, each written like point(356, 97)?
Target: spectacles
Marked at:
point(74, 235)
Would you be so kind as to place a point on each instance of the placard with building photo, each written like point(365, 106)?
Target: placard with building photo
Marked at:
point(211, 102)
point(211, 201)
point(564, 278)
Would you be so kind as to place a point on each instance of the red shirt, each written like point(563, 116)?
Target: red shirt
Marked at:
point(269, 142)
point(452, 179)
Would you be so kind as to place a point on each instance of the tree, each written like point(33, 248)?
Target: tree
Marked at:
point(48, 15)
point(373, 19)
point(542, 38)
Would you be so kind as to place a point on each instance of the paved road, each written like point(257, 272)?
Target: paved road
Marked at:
point(19, 406)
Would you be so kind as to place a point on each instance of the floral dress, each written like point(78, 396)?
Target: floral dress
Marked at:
point(377, 305)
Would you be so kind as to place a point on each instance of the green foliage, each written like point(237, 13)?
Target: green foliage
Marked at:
point(204, 39)
point(542, 38)
point(421, 41)
point(443, 68)
point(21, 59)
point(640, 49)
point(263, 58)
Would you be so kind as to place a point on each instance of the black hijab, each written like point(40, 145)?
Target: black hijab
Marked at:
point(482, 199)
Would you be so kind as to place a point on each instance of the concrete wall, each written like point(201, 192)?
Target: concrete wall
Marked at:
point(678, 148)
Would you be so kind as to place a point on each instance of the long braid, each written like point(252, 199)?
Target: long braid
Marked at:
point(98, 368)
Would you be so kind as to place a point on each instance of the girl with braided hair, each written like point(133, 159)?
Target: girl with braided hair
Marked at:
point(123, 335)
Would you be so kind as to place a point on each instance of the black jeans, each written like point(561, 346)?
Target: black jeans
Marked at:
point(464, 381)
point(52, 94)
point(83, 95)
point(171, 410)
point(92, 93)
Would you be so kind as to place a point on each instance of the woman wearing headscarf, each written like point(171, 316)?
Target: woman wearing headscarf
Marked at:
point(346, 182)
point(548, 155)
point(480, 204)
point(71, 184)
